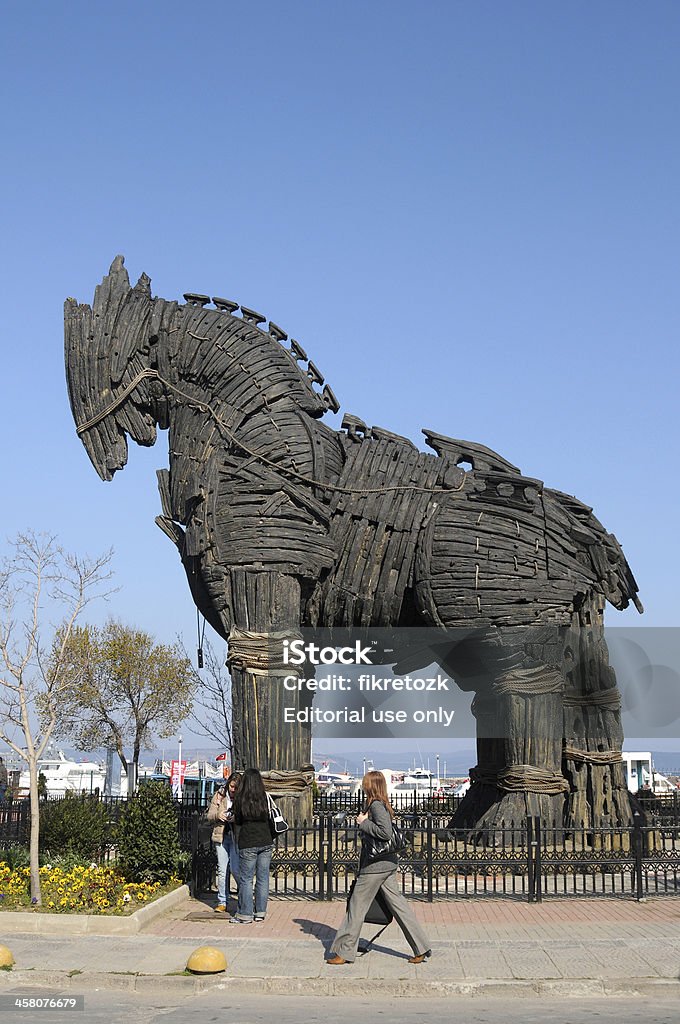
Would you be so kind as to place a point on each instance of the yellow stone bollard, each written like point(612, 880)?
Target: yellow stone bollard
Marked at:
point(6, 958)
point(207, 960)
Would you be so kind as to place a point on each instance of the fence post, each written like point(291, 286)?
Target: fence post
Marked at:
point(429, 856)
point(534, 859)
point(194, 854)
point(637, 854)
point(329, 857)
point(322, 860)
point(538, 867)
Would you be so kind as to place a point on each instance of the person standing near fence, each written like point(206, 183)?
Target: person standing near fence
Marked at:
point(3, 781)
point(375, 823)
point(255, 843)
point(221, 813)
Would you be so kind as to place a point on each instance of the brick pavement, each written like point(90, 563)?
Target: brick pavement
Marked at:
point(500, 947)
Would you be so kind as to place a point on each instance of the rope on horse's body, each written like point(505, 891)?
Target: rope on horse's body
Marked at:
point(118, 400)
point(284, 470)
point(601, 757)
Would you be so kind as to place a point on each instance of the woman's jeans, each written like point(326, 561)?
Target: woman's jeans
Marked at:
point(254, 860)
point(227, 859)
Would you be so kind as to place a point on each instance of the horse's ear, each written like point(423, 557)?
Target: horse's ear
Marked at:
point(144, 285)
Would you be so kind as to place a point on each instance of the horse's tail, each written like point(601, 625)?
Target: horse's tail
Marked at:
point(599, 550)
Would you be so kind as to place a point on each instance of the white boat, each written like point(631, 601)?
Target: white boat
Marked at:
point(642, 775)
point(333, 782)
point(63, 775)
point(418, 781)
point(462, 788)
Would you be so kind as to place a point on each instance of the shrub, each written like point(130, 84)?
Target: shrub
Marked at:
point(15, 856)
point(74, 826)
point(147, 835)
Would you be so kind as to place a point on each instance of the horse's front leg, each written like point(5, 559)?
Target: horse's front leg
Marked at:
point(266, 610)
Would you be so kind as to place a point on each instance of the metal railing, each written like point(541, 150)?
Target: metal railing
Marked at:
point(531, 860)
point(526, 861)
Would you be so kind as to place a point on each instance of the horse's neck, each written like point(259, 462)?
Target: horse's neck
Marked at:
point(237, 365)
point(237, 393)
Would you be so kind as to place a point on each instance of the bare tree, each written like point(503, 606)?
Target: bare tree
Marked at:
point(43, 590)
point(211, 715)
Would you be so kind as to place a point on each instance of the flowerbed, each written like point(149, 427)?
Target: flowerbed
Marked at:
point(82, 890)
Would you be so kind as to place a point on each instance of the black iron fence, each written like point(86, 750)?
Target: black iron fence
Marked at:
point(352, 803)
point(526, 861)
point(530, 860)
point(14, 823)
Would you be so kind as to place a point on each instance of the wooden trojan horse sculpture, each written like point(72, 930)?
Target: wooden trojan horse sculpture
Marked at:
point(282, 522)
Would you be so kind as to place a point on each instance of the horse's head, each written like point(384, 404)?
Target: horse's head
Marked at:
point(124, 352)
point(110, 367)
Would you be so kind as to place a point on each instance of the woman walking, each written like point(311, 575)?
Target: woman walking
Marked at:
point(376, 874)
point(220, 812)
point(255, 846)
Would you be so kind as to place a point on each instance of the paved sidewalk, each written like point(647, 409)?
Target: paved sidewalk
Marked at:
point(505, 948)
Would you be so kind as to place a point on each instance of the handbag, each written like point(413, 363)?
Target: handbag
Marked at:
point(277, 822)
point(378, 913)
point(378, 849)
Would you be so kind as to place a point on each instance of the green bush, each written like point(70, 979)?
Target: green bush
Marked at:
point(147, 835)
point(66, 861)
point(74, 826)
point(15, 856)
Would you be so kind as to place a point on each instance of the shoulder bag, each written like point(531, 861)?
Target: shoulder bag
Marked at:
point(277, 822)
point(378, 849)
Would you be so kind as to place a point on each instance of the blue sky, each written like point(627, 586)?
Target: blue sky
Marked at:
point(467, 213)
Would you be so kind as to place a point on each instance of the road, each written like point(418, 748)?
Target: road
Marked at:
point(221, 1008)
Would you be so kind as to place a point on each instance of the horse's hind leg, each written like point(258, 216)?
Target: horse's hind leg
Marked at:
point(592, 726)
point(518, 706)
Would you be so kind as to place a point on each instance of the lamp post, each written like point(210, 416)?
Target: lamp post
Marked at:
point(179, 774)
point(438, 779)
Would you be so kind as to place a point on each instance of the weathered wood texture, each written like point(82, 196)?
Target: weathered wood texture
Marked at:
point(281, 522)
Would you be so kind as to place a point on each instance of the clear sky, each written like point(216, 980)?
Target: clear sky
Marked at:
point(467, 213)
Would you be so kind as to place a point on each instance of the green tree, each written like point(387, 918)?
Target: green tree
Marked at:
point(147, 834)
point(123, 690)
point(40, 583)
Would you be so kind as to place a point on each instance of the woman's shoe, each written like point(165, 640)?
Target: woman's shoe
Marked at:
point(238, 920)
point(220, 908)
point(336, 961)
point(420, 957)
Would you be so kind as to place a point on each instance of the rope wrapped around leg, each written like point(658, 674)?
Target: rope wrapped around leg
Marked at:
point(259, 654)
point(522, 778)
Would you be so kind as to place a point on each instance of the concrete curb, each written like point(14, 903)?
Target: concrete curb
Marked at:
point(37, 923)
point(398, 988)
